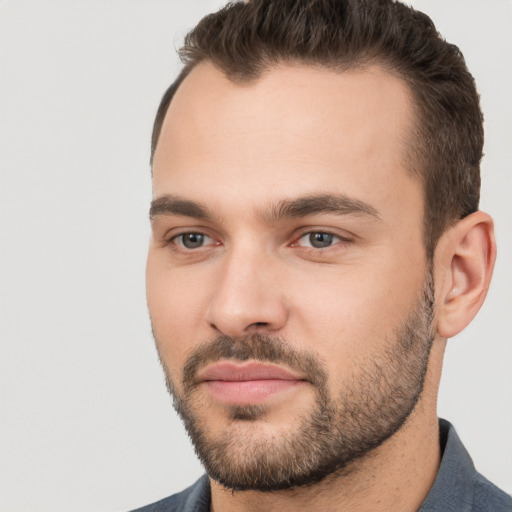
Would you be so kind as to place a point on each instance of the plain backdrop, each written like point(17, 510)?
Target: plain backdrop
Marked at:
point(86, 423)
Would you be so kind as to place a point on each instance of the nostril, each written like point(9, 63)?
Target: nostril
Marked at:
point(258, 324)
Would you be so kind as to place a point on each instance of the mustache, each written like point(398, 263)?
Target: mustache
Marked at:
point(259, 347)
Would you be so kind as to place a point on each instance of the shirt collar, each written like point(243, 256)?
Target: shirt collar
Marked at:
point(453, 484)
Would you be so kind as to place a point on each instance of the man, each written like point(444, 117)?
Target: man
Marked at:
point(316, 240)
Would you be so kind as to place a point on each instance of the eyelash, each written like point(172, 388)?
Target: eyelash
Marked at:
point(180, 246)
point(335, 240)
point(174, 240)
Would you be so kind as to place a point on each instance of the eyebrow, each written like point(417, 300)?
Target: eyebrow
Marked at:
point(282, 210)
point(174, 205)
point(315, 204)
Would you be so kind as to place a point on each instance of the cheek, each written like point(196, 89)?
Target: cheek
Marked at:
point(176, 302)
point(352, 315)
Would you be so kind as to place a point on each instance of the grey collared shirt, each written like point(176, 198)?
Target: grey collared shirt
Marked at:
point(458, 486)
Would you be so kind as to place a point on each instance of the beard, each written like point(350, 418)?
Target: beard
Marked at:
point(331, 435)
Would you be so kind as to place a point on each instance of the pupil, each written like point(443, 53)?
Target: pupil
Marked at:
point(193, 240)
point(319, 240)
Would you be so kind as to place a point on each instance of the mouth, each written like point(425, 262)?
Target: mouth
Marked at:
point(248, 383)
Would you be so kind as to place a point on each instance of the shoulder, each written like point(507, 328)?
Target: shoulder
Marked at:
point(459, 487)
point(486, 496)
point(195, 498)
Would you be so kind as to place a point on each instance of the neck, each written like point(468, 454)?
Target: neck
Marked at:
point(395, 476)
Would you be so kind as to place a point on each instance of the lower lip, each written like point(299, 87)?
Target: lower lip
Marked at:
point(248, 392)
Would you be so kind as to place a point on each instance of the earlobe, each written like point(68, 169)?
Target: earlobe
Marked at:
point(464, 260)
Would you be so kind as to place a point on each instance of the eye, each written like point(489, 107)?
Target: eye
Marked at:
point(318, 240)
point(192, 240)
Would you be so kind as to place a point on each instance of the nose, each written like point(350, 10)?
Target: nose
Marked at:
point(248, 296)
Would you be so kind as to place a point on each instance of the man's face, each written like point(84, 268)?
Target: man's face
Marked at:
point(286, 280)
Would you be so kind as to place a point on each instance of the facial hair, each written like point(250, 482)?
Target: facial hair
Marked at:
point(337, 431)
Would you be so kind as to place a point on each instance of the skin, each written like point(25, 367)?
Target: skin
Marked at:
point(240, 150)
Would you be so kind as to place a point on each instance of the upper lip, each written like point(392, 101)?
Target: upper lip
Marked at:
point(245, 371)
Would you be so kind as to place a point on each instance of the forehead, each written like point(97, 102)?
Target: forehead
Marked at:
point(294, 130)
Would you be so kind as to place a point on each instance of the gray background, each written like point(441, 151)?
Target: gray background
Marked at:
point(86, 424)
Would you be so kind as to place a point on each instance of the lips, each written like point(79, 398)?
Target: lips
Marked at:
point(248, 371)
point(248, 383)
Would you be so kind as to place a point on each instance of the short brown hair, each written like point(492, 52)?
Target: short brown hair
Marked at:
point(245, 38)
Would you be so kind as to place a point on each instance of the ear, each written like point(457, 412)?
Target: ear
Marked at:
point(464, 262)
